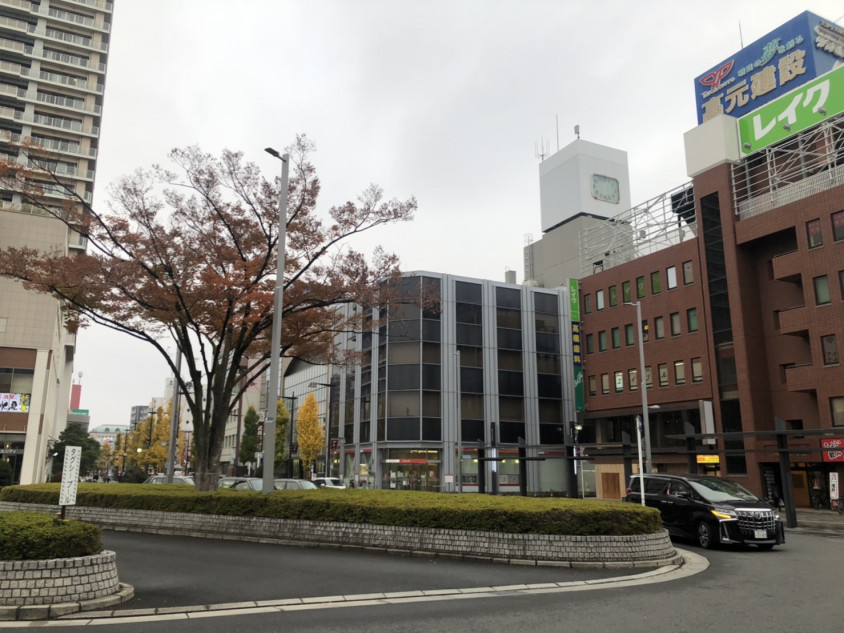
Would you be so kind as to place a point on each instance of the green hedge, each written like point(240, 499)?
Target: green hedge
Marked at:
point(520, 515)
point(37, 536)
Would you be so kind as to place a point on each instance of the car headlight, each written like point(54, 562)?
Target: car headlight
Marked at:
point(722, 513)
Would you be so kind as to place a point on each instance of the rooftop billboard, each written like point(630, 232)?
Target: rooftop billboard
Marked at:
point(789, 56)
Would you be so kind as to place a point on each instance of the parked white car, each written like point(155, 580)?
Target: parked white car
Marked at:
point(328, 482)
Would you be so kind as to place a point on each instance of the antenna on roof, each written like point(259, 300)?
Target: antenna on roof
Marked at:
point(577, 130)
point(540, 149)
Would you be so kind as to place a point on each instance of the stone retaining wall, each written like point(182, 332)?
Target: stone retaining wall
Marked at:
point(640, 550)
point(36, 582)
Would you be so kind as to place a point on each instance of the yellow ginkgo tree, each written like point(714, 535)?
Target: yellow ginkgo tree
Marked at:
point(309, 432)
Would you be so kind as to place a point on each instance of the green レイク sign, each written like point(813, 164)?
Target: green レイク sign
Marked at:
point(794, 112)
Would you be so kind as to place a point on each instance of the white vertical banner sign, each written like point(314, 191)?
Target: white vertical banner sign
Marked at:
point(70, 476)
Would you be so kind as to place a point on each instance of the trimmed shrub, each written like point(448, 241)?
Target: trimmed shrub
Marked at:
point(520, 515)
point(37, 536)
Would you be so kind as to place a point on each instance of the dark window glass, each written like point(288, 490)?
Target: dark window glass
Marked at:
point(838, 226)
point(511, 383)
point(552, 434)
point(625, 291)
point(545, 303)
point(471, 380)
point(468, 313)
point(550, 411)
point(471, 357)
point(472, 407)
point(431, 404)
point(640, 287)
point(613, 296)
point(403, 377)
point(587, 304)
point(549, 343)
point(403, 404)
point(509, 318)
point(364, 430)
point(511, 361)
point(509, 339)
point(430, 377)
point(605, 383)
point(821, 290)
point(430, 353)
point(548, 363)
point(432, 430)
point(549, 386)
point(548, 323)
point(593, 386)
point(403, 353)
point(629, 334)
point(691, 319)
point(432, 295)
point(511, 408)
point(404, 330)
point(590, 343)
point(656, 285)
point(472, 430)
point(469, 335)
point(602, 341)
point(401, 430)
point(404, 312)
point(431, 330)
point(508, 298)
point(510, 432)
point(468, 293)
point(616, 337)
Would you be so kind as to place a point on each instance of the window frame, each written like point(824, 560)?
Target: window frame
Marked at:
point(813, 228)
point(671, 277)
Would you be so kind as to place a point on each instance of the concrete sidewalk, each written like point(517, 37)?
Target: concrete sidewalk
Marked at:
point(822, 521)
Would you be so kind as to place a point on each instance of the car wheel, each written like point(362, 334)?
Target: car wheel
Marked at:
point(706, 535)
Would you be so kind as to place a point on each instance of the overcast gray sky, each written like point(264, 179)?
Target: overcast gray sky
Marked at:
point(445, 100)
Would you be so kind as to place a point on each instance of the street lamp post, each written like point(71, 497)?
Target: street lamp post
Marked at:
point(643, 386)
point(267, 484)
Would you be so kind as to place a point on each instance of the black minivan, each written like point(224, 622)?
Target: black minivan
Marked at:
point(713, 510)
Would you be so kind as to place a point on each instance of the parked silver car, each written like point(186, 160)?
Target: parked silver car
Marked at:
point(294, 484)
point(240, 483)
point(162, 479)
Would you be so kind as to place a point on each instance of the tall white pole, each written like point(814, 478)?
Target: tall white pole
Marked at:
point(643, 387)
point(267, 483)
point(174, 419)
point(639, 446)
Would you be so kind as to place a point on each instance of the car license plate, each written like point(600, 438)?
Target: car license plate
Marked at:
point(760, 534)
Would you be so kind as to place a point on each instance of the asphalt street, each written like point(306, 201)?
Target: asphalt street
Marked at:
point(795, 587)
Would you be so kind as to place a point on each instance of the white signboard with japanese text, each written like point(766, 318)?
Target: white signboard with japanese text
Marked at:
point(70, 475)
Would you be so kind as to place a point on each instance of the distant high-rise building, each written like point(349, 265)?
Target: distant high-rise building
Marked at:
point(53, 57)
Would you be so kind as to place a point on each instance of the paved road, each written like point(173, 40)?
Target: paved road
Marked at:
point(796, 587)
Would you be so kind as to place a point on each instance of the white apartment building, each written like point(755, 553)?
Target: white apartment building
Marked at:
point(53, 57)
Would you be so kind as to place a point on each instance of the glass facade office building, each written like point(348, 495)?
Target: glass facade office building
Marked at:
point(393, 413)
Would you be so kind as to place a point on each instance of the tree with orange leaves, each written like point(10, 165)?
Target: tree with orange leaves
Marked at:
point(188, 255)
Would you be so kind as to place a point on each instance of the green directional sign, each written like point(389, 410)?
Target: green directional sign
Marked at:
point(794, 112)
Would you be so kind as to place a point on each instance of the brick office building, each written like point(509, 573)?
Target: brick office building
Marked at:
point(743, 313)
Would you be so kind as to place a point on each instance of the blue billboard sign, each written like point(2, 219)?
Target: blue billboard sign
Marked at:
point(796, 52)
